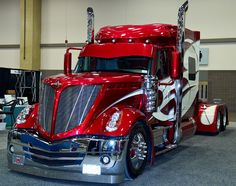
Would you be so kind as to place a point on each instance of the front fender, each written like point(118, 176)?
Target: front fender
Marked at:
point(206, 118)
point(129, 116)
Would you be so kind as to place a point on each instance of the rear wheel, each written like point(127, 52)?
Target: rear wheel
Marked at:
point(218, 123)
point(224, 120)
point(136, 157)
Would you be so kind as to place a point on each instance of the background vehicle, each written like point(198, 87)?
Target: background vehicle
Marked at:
point(132, 96)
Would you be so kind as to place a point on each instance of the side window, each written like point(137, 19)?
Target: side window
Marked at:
point(163, 63)
point(192, 68)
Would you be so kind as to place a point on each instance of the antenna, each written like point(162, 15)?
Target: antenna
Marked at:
point(66, 25)
point(90, 26)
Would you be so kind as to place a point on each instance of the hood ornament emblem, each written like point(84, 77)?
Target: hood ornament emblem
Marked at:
point(57, 84)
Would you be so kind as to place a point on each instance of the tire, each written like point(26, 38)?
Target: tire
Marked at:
point(136, 156)
point(224, 121)
point(218, 123)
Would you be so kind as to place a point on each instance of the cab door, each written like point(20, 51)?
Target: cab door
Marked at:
point(166, 109)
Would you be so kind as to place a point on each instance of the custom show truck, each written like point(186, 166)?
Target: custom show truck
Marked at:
point(132, 95)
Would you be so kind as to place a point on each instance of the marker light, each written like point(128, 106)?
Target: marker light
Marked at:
point(11, 148)
point(105, 159)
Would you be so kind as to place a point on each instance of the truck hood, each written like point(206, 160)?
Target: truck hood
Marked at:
point(104, 90)
point(92, 78)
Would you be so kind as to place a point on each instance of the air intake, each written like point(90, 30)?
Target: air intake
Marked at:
point(46, 107)
point(74, 104)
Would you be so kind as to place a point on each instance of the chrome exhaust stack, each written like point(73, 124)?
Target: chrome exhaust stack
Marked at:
point(90, 26)
point(179, 82)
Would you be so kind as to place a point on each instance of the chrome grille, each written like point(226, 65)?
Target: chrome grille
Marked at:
point(60, 153)
point(46, 107)
point(54, 158)
point(74, 104)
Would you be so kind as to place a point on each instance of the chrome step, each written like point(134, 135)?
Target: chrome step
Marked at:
point(165, 149)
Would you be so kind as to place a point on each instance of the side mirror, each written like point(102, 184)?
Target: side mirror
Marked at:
point(67, 60)
point(67, 63)
point(175, 67)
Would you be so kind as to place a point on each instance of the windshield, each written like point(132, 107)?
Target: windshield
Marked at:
point(122, 64)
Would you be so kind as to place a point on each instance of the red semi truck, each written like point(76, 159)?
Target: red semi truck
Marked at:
point(133, 95)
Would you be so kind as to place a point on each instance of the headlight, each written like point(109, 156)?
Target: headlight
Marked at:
point(21, 118)
point(112, 124)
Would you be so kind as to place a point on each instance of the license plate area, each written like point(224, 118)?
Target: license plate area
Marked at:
point(18, 159)
point(91, 169)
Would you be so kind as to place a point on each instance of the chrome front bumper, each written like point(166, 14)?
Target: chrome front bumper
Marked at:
point(81, 158)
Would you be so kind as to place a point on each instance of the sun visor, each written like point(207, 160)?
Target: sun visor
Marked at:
point(114, 50)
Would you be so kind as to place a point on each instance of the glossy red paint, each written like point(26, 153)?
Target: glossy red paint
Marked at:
point(67, 63)
point(176, 70)
point(207, 128)
point(88, 78)
point(67, 60)
point(114, 87)
point(106, 97)
point(171, 105)
point(193, 35)
point(138, 33)
point(114, 50)
point(129, 116)
point(117, 41)
point(167, 84)
point(156, 33)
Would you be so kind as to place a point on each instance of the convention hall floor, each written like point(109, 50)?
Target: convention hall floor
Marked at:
point(200, 160)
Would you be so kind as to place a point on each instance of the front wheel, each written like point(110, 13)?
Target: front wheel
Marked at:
point(136, 157)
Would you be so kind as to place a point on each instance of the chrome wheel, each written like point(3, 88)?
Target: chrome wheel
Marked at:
point(224, 119)
point(138, 151)
point(224, 122)
point(218, 124)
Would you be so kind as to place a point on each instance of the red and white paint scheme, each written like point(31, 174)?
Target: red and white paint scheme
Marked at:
point(133, 95)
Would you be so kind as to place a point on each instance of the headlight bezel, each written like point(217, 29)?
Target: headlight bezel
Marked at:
point(24, 115)
point(112, 124)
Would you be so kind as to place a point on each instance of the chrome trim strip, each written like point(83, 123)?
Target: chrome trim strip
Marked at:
point(110, 173)
point(53, 152)
point(76, 140)
point(51, 158)
point(168, 148)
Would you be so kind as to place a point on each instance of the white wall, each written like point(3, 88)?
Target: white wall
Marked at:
point(63, 19)
point(52, 58)
point(10, 58)
point(66, 19)
point(221, 57)
point(9, 32)
point(214, 18)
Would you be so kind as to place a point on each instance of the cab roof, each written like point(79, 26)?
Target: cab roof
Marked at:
point(157, 33)
point(133, 40)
